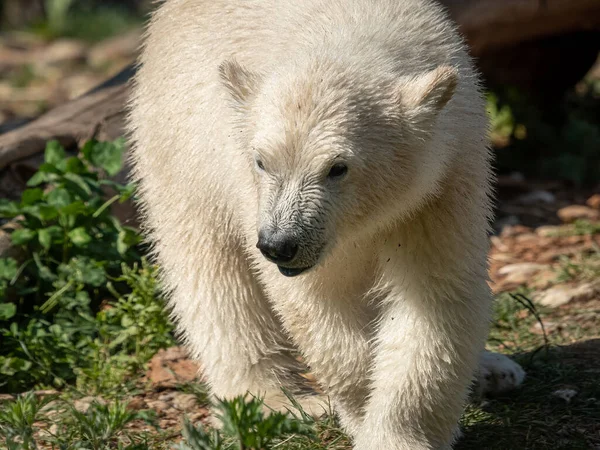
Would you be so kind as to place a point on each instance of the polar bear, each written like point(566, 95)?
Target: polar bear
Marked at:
point(315, 178)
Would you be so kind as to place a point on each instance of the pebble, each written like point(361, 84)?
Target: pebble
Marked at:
point(572, 213)
point(561, 295)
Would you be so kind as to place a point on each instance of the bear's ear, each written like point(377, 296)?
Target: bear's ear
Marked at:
point(241, 83)
point(427, 94)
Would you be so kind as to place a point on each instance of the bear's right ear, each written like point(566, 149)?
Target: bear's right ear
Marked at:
point(424, 96)
point(241, 83)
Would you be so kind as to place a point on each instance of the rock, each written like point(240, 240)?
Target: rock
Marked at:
point(594, 201)
point(498, 244)
point(170, 367)
point(561, 295)
point(167, 396)
point(159, 406)
point(549, 327)
point(535, 197)
point(548, 230)
point(520, 273)
point(543, 279)
point(565, 394)
point(83, 404)
point(6, 397)
point(185, 402)
point(137, 403)
point(572, 213)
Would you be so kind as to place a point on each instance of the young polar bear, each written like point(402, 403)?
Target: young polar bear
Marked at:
point(314, 175)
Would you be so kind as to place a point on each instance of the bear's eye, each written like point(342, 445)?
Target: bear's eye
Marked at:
point(260, 164)
point(337, 170)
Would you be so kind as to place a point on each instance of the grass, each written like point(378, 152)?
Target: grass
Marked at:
point(85, 318)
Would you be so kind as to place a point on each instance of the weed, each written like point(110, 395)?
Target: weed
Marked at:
point(18, 420)
point(82, 303)
point(245, 427)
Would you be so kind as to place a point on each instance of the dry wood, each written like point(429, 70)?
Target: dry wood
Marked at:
point(99, 111)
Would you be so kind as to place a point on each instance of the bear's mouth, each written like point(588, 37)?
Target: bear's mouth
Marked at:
point(291, 271)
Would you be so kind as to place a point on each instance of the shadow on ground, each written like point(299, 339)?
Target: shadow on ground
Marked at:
point(558, 407)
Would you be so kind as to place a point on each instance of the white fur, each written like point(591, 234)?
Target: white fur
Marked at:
point(498, 374)
point(394, 313)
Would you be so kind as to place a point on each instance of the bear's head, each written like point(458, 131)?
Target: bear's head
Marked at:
point(335, 151)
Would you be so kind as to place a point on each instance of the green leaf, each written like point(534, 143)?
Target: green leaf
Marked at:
point(44, 271)
point(47, 235)
point(106, 155)
point(80, 237)
point(84, 270)
point(38, 178)
point(128, 237)
point(42, 212)
point(7, 310)
point(79, 182)
point(30, 196)
point(59, 197)
point(48, 212)
point(10, 366)
point(75, 165)
point(75, 208)
point(8, 268)
point(22, 236)
point(54, 153)
point(9, 209)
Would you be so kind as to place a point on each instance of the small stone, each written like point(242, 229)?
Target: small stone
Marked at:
point(170, 367)
point(561, 295)
point(45, 392)
point(158, 405)
point(185, 402)
point(167, 396)
point(137, 403)
point(514, 230)
point(549, 327)
point(83, 404)
point(520, 273)
point(565, 394)
point(6, 397)
point(572, 213)
point(548, 230)
point(594, 201)
point(498, 244)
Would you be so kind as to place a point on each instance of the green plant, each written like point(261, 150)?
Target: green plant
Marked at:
point(100, 427)
point(245, 427)
point(82, 303)
point(18, 420)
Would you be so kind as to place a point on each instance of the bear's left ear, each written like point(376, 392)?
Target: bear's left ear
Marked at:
point(424, 96)
point(241, 83)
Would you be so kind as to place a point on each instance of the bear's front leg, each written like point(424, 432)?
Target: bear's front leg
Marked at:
point(427, 347)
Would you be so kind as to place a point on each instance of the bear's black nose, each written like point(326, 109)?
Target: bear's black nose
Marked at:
point(277, 247)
